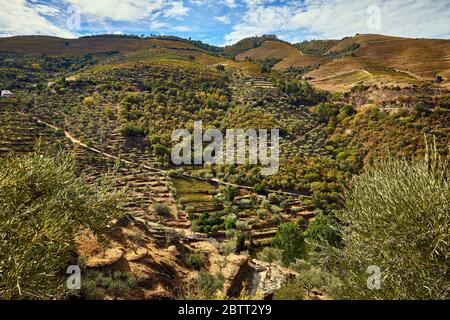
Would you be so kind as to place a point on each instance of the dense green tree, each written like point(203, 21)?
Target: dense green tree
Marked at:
point(290, 240)
point(397, 219)
point(324, 228)
point(42, 203)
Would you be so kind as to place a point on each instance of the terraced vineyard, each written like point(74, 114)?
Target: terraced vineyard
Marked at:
point(198, 224)
point(20, 133)
point(23, 133)
point(303, 135)
point(102, 149)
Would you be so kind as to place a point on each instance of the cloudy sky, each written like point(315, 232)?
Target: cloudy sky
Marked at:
point(227, 21)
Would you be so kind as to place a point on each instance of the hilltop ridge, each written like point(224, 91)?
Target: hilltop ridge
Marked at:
point(334, 65)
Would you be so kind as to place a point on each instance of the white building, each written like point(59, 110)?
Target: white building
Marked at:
point(6, 93)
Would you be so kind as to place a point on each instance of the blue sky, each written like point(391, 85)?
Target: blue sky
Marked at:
point(222, 22)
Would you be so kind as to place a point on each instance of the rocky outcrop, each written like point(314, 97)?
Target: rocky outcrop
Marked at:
point(265, 278)
point(155, 256)
point(234, 271)
point(107, 258)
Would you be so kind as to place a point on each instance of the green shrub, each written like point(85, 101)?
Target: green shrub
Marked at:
point(117, 288)
point(132, 130)
point(290, 240)
point(230, 193)
point(42, 202)
point(291, 290)
point(324, 228)
point(190, 209)
point(269, 254)
point(242, 225)
point(209, 284)
point(90, 290)
point(118, 284)
point(260, 188)
point(228, 247)
point(262, 214)
point(195, 260)
point(239, 239)
point(396, 218)
point(312, 278)
point(161, 210)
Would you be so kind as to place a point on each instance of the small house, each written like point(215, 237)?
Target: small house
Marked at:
point(6, 93)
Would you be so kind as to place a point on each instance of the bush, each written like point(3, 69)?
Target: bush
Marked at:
point(230, 221)
point(161, 210)
point(240, 241)
point(42, 202)
point(260, 188)
point(273, 198)
point(230, 193)
point(262, 214)
point(242, 225)
point(269, 254)
point(195, 260)
point(306, 281)
point(117, 288)
point(132, 130)
point(209, 284)
point(324, 228)
point(90, 290)
point(276, 218)
point(313, 278)
point(291, 290)
point(116, 283)
point(190, 209)
point(228, 247)
point(290, 240)
point(397, 217)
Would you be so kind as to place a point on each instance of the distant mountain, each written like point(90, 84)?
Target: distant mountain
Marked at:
point(247, 44)
point(287, 55)
point(383, 60)
point(315, 47)
point(39, 45)
point(335, 65)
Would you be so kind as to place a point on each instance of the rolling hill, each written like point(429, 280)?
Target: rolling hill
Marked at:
point(289, 56)
point(113, 103)
point(338, 65)
point(384, 60)
point(122, 49)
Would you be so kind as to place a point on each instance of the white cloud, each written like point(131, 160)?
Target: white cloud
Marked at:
point(198, 2)
point(157, 25)
point(123, 10)
point(230, 3)
point(340, 18)
point(46, 10)
point(17, 17)
point(176, 9)
point(223, 19)
point(182, 28)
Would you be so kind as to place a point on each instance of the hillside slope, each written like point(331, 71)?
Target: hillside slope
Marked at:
point(338, 65)
point(384, 60)
point(290, 56)
point(39, 45)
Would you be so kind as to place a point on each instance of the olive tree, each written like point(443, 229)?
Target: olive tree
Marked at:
point(42, 202)
point(396, 227)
